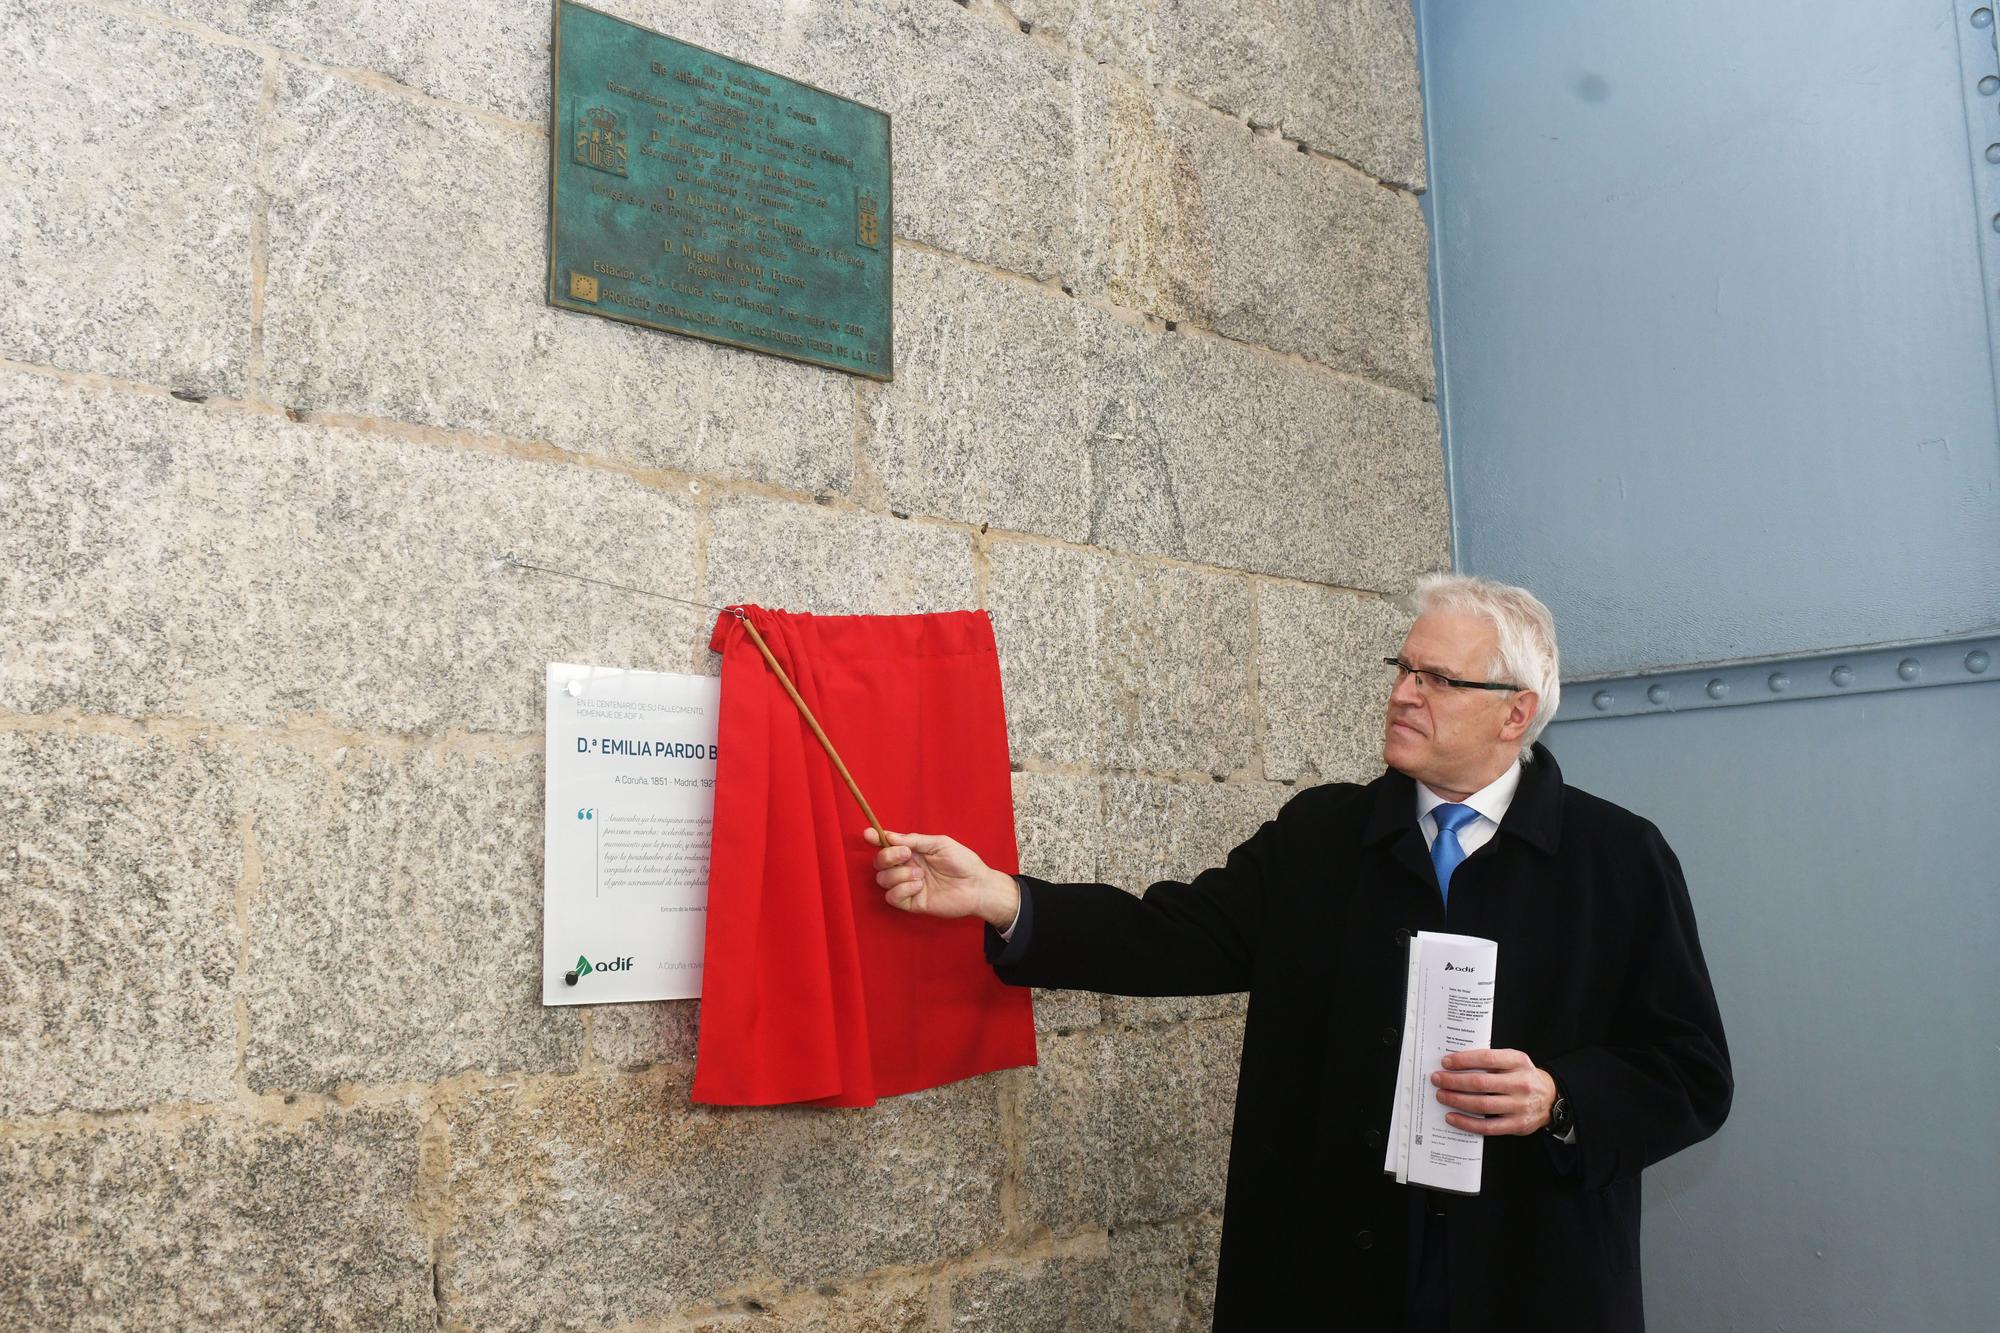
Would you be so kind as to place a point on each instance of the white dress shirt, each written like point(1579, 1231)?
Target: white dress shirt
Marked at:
point(1491, 801)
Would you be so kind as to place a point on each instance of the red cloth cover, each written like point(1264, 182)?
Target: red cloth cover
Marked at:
point(814, 989)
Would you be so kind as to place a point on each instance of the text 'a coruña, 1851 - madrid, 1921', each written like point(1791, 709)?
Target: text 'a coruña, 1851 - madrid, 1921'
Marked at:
point(694, 193)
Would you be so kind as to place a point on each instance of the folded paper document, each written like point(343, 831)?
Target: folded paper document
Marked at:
point(1447, 1006)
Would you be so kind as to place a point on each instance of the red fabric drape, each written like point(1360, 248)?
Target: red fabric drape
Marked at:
point(813, 988)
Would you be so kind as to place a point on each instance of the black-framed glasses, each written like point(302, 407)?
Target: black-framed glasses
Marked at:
point(1437, 680)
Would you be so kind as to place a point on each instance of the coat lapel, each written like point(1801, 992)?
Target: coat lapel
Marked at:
point(1392, 826)
point(1535, 815)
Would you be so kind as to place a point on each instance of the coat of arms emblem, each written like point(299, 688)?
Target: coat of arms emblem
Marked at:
point(867, 219)
point(600, 139)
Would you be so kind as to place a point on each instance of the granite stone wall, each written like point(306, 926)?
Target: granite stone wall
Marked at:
point(277, 380)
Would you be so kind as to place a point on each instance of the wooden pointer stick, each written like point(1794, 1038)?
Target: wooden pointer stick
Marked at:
point(817, 730)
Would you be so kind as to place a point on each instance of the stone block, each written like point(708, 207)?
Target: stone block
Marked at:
point(1124, 33)
point(637, 1036)
point(1322, 682)
point(1131, 1125)
point(896, 1307)
point(1204, 1249)
point(1044, 617)
point(493, 56)
point(801, 557)
point(1155, 1010)
point(1173, 831)
point(126, 218)
point(1057, 824)
point(396, 900)
point(1062, 1011)
point(215, 1222)
point(982, 421)
point(1131, 1283)
point(1246, 236)
point(606, 1201)
point(388, 295)
point(119, 862)
point(1122, 664)
point(1353, 88)
point(1229, 57)
point(163, 559)
point(1214, 452)
point(1340, 76)
point(989, 129)
point(1157, 830)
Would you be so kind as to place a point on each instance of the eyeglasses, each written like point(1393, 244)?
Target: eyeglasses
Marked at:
point(1429, 681)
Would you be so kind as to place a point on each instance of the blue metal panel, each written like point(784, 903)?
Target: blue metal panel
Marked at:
point(1841, 857)
point(1712, 317)
point(1717, 295)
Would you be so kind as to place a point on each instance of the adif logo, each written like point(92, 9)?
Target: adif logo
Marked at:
point(1449, 968)
point(584, 967)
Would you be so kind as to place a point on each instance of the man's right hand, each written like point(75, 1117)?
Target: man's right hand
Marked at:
point(936, 876)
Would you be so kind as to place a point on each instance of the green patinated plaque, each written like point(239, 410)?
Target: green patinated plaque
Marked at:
point(694, 193)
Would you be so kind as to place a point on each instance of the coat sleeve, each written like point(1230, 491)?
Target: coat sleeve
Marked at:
point(1195, 938)
point(1663, 1081)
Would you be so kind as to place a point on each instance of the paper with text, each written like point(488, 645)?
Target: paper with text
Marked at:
point(1447, 1006)
point(628, 819)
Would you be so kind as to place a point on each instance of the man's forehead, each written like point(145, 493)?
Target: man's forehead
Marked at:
point(1448, 639)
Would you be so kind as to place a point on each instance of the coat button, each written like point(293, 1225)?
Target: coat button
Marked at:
point(1364, 1240)
point(1373, 1138)
point(1390, 1036)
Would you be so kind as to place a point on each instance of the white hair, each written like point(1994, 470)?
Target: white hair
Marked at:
point(1526, 652)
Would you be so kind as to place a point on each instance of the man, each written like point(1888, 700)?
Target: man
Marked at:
point(1609, 1053)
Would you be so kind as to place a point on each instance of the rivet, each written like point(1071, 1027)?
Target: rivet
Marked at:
point(1843, 676)
point(1977, 661)
point(569, 977)
point(574, 689)
point(1656, 693)
point(1982, 18)
point(1909, 668)
point(1601, 700)
point(1989, 85)
point(1993, 152)
point(1717, 688)
point(1779, 682)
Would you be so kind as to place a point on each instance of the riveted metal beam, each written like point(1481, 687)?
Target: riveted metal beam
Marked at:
point(1979, 82)
point(1819, 675)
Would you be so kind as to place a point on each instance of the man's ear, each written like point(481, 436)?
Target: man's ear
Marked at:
point(1521, 709)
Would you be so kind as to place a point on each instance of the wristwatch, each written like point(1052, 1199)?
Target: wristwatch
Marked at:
point(1561, 1119)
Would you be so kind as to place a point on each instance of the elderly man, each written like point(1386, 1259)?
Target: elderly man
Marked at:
point(1609, 1053)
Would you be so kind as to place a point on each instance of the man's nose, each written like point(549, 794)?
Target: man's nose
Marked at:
point(1405, 691)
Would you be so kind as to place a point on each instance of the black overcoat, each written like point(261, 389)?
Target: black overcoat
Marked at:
point(1601, 980)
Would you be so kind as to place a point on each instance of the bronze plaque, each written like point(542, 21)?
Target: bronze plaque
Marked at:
point(697, 194)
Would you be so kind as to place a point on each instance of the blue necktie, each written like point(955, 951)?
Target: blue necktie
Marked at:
point(1445, 851)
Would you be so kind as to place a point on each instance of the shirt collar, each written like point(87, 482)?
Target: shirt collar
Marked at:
point(1491, 800)
point(1536, 807)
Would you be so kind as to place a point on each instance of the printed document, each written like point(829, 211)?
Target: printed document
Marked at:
point(1447, 1006)
point(628, 816)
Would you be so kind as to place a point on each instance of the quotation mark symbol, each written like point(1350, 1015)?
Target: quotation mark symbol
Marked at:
point(587, 814)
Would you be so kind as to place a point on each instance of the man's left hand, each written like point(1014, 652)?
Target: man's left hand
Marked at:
point(1504, 1086)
